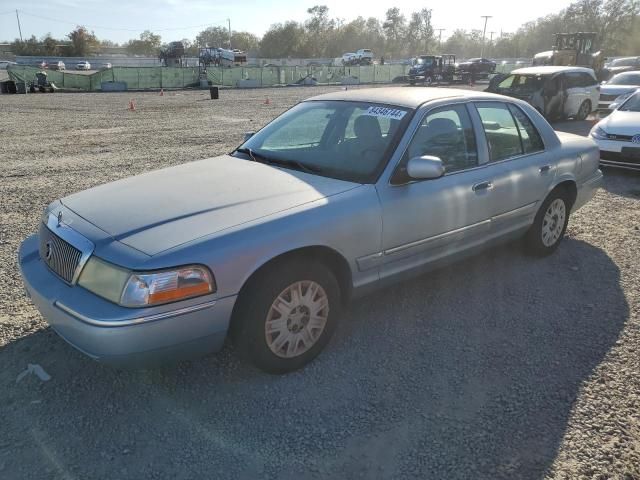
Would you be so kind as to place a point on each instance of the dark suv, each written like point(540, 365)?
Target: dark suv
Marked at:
point(479, 66)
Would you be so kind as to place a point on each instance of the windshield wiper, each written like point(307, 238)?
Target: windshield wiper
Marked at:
point(258, 157)
point(295, 164)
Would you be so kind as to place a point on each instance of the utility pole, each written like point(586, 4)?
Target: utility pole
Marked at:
point(491, 41)
point(19, 28)
point(484, 32)
point(439, 30)
point(229, 20)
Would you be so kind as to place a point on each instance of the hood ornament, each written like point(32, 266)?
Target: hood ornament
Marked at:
point(59, 217)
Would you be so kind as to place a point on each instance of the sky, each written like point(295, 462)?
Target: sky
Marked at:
point(120, 20)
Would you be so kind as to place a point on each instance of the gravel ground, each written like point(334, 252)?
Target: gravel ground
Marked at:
point(503, 366)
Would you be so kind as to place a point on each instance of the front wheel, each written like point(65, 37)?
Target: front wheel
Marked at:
point(287, 315)
point(549, 225)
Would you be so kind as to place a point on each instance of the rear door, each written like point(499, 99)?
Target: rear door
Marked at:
point(576, 93)
point(522, 170)
point(592, 89)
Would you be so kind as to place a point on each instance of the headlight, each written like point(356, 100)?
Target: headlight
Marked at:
point(154, 288)
point(598, 133)
point(143, 289)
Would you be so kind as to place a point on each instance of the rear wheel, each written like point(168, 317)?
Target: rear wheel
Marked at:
point(287, 315)
point(428, 81)
point(584, 110)
point(549, 225)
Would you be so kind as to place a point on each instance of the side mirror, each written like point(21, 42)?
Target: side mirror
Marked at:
point(248, 135)
point(426, 167)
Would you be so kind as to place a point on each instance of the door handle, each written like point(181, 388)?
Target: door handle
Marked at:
point(544, 169)
point(478, 187)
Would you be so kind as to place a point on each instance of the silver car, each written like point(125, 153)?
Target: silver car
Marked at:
point(342, 194)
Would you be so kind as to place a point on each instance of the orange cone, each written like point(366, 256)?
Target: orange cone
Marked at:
point(267, 101)
point(132, 105)
point(161, 92)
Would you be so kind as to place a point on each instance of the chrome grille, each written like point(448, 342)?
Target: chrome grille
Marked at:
point(60, 256)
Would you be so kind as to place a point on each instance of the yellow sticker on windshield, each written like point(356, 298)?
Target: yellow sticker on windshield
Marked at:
point(386, 112)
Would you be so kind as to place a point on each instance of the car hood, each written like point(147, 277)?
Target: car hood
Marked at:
point(620, 69)
point(166, 208)
point(622, 123)
point(617, 89)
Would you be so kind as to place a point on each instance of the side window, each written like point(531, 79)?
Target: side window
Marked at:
point(446, 133)
point(588, 80)
point(531, 140)
point(572, 80)
point(500, 129)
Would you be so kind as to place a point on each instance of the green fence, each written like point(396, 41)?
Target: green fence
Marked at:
point(148, 78)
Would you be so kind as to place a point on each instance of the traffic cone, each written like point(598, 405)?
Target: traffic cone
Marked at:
point(161, 92)
point(267, 101)
point(132, 105)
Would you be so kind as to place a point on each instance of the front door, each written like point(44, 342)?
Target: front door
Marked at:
point(430, 219)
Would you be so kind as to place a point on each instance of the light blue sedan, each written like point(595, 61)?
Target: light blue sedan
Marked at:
point(342, 194)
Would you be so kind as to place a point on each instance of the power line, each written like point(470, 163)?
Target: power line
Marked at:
point(113, 28)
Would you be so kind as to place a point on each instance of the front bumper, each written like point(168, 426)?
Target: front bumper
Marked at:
point(611, 154)
point(119, 336)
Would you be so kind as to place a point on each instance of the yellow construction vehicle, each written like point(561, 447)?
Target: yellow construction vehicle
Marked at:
point(573, 49)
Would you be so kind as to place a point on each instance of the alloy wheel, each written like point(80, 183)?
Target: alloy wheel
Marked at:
point(296, 319)
point(553, 222)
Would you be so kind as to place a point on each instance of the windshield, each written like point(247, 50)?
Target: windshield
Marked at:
point(424, 61)
point(632, 104)
point(522, 83)
point(345, 140)
point(624, 62)
point(625, 79)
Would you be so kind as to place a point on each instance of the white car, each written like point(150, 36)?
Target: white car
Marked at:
point(348, 58)
point(364, 56)
point(619, 88)
point(84, 65)
point(618, 135)
point(556, 92)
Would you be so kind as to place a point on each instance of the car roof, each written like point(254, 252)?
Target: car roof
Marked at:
point(550, 70)
point(405, 96)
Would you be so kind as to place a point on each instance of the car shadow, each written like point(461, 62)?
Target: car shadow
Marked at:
point(468, 372)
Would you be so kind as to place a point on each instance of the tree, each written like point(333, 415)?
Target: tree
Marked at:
point(394, 28)
point(213, 37)
point(284, 40)
point(149, 44)
point(319, 30)
point(219, 37)
point(419, 35)
point(82, 42)
point(49, 45)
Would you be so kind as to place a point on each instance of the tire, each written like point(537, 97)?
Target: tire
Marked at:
point(549, 225)
point(412, 82)
point(583, 111)
point(256, 312)
point(428, 81)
